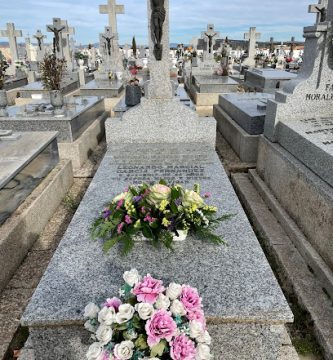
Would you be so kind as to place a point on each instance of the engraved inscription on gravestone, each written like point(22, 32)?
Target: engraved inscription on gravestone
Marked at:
point(328, 96)
point(320, 126)
point(137, 174)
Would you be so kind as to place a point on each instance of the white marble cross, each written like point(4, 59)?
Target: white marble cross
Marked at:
point(112, 9)
point(208, 36)
point(57, 28)
point(65, 34)
point(319, 9)
point(252, 36)
point(11, 33)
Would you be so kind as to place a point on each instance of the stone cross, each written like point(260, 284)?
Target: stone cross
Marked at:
point(28, 48)
point(56, 28)
point(142, 52)
point(126, 49)
point(65, 35)
point(319, 9)
point(11, 33)
point(159, 86)
point(252, 36)
point(112, 9)
point(208, 36)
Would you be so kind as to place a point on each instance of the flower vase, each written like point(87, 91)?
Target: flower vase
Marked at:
point(133, 95)
point(57, 100)
point(3, 103)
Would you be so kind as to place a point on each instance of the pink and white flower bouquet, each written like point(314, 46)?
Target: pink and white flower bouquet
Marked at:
point(150, 321)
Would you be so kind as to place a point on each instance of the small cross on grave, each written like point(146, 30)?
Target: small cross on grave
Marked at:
point(11, 33)
point(56, 28)
point(208, 36)
point(39, 36)
point(107, 39)
point(252, 36)
point(65, 34)
point(112, 9)
point(319, 9)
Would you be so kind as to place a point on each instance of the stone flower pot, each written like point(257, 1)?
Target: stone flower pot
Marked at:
point(132, 95)
point(56, 99)
point(3, 103)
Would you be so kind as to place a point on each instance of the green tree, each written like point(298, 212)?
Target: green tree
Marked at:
point(134, 46)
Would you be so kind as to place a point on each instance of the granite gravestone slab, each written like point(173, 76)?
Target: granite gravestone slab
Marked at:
point(214, 84)
point(306, 103)
point(79, 114)
point(267, 80)
point(247, 110)
point(25, 159)
point(248, 299)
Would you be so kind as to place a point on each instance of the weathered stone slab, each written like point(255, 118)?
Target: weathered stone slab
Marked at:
point(236, 281)
point(107, 89)
point(214, 84)
point(36, 88)
point(267, 80)
point(310, 141)
point(79, 114)
point(160, 121)
point(248, 110)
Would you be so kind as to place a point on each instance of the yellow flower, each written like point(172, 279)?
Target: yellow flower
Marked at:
point(164, 204)
point(165, 222)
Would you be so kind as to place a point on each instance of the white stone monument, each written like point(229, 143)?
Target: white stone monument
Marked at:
point(252, 36)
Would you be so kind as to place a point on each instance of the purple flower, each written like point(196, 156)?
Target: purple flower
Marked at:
point(178, 202)
point(128, 220)
point(136, 199)
point(106, 213)
point(114, 302)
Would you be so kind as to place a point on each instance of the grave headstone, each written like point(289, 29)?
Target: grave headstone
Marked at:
point(252, 36)
point(66, 45)
point(39, 36)
point(210, 36)
point(57, 28)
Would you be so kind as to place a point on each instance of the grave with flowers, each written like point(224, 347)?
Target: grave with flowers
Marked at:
point(199, 300)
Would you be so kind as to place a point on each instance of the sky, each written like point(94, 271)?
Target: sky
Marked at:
point(280, 19)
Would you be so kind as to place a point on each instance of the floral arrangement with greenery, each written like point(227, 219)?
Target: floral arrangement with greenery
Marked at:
point(52, 71)
point(161, 213)
point(81, 56)
point(149, 322)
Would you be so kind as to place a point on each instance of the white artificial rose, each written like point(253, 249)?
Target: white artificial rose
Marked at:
point(196, 329)
point(162, 302)
point(205, 338)
point(104, 334)
point(125, 313)
point(91, 311)
point(89, 327)
point(124, 350)
point(107, 316)
point(173, 291)
point(132, 277)
point(144, 310)
point(95, 351)
point(203, 352)
point(177, 308)
point(120, 197)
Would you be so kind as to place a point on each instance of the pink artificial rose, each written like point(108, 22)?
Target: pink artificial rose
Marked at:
point(114, 302)
point(190, 298)
point(148, 289)
point(160, 326)
point(182, 348)
point(197, 315)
